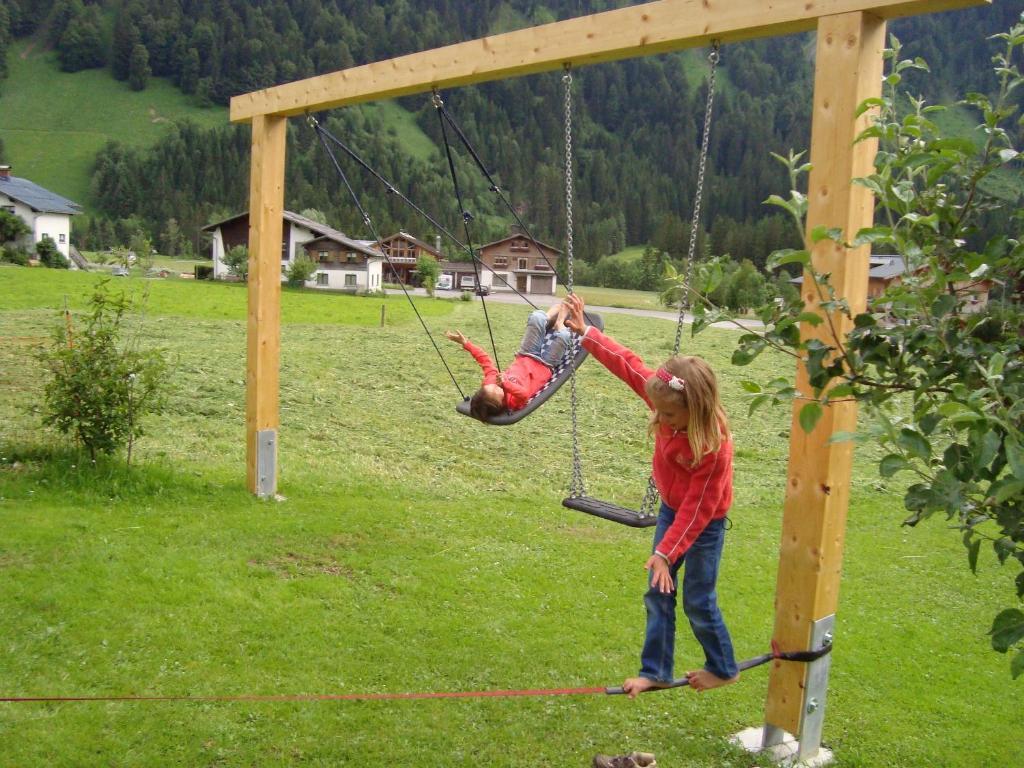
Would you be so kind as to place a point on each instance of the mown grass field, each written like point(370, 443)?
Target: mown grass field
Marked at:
point(415, 550)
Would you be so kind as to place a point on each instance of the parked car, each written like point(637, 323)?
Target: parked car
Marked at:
point(444, 283)
point(482, 290)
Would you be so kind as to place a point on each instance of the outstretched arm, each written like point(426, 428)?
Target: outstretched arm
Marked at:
point(621, 361)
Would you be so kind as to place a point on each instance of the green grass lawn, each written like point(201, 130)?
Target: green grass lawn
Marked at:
point(416, 550)
point(53, 123)
point(617, 297)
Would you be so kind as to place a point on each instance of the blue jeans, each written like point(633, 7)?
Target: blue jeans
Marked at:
point(540, 344)
point(700, 603)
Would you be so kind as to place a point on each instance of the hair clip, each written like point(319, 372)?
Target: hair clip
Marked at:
point(674, 382)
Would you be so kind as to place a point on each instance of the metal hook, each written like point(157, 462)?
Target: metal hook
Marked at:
point(311, 121)
point(436, 100)
point(714, 56)
point(567, 77)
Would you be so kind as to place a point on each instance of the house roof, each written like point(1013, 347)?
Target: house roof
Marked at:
point(313, 226)
point(35, 197)
point(363, 246)
point(413, 239)
point(520, 236)
point(880, 268)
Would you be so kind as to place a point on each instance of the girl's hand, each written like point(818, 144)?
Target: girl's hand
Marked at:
point(457, 336)
point(575, 320)
point(661, 576)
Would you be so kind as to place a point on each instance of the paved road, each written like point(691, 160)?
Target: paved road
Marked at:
point(508, 297)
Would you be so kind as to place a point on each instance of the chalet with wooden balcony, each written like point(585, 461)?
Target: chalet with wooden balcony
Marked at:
point(402, 251)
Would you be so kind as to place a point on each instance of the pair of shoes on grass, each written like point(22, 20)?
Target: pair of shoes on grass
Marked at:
point(632, 760)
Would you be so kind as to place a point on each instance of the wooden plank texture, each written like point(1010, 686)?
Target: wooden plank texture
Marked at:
point(849, 70)
point(639, 30)
point(266, 195)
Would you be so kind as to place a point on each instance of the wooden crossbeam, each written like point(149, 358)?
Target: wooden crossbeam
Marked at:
point(639, 30)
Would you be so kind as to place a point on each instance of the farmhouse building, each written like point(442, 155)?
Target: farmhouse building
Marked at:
point(514, 263)
point(345, 264)
point(46, 213)
point(296, 232)
point(403, 252)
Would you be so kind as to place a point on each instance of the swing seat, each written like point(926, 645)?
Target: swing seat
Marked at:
point(608, 511)
point(558, 377)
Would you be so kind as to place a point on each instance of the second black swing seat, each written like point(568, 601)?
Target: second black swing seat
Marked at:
point(609, 511)
point(558, 377)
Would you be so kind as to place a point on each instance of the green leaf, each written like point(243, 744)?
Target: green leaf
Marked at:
point(943, 305)
point(757, 402)
point(1007, 490)
point(751, 386)
point(811, 318)
point(914, 443)
point(870, 103)
point(1007, 629)
point(788, 256)
point(822, 232)
point(1014, 456)
point(973, 548)
point(809, 416)
point(1017, 665)
point(892, 464)
point(872, 235)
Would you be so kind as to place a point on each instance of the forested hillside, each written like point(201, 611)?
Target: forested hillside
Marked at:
point(637, 122)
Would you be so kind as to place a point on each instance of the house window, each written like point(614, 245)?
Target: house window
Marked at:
point(323, 255)
point(522, 263)
point(284, 269)
point(501, 261)
point(63, 237)
point(321, 278)
point(350, 281)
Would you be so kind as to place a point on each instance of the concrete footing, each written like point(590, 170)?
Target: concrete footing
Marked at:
point(752, 739)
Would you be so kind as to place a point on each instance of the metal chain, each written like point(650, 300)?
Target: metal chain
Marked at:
point(684, 300)
point(577, 487)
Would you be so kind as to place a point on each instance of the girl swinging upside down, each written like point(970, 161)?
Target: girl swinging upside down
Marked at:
point(542, 349)
point(692, 468)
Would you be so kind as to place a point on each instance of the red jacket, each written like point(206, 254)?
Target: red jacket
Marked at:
point(698, 494)
point(524, 378)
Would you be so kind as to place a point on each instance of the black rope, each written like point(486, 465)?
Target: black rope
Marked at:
point(376, 236)
point(497, 189)
point(466, 218)
point(803, 657)
point(392, 189)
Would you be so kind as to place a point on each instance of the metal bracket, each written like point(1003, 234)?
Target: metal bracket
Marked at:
point(266, 463)
point(812, 719)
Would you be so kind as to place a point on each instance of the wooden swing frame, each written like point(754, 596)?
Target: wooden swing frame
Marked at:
point(848, 70)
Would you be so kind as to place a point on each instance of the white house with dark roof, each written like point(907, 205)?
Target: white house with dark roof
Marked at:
point(296, 232)
point(345, 264)
point(46, 213)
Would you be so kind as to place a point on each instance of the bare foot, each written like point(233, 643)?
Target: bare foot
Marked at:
point(635, 685)
point(560, 316)
point(702, 680)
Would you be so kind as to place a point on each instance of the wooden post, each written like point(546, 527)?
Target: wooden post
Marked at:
point(849, 69)
point(266, 207)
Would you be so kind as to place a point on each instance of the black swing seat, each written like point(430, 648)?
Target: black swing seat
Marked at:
point(558, 377)
point(608, 511)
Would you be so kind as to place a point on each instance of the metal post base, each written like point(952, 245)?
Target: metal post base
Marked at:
point(266, 463)
point(783, 751)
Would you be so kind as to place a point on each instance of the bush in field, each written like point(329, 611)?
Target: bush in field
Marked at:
point(49, 255)
point(429, 270)
point(237, 261)
point(300, 270)
point(100, 384)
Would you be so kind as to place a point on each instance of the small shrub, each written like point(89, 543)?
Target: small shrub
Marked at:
point(466, 296)
point(100, 384)
point(300, 270)
point(49, 255)
point(237, 261)
point(13, 255)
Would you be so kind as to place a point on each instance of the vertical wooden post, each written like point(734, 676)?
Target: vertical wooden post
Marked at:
point(266, 206)
point(849, 69)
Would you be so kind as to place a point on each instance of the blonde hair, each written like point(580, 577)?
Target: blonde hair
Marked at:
point(709, 426)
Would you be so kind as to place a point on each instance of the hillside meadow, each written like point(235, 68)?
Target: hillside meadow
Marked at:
point(417, 550)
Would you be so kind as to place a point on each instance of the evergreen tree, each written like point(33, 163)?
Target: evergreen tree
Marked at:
point(126, 37)
point(138, 69)
point(189, 77)
point(81, 43)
